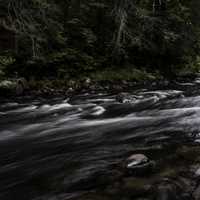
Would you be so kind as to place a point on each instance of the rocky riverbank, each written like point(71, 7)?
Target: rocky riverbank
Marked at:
point(21, 88)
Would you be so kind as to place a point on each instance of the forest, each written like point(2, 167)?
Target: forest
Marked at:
point(72, 39)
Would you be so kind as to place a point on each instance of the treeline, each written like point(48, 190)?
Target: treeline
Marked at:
point(69, 38)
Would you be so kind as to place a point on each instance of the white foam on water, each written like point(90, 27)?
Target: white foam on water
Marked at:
point(98, 110)
point(112, 121)
point(60, 106)
point(104, 100)
point(46, 106)
point(67, 118)
point(179, 110)
point(185, 84)
point(163, 94)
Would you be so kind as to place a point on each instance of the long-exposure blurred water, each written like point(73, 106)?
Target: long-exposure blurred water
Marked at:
point(48, 147)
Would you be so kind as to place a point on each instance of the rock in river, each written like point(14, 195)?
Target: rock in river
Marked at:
point(139, 164)
point(126, 98)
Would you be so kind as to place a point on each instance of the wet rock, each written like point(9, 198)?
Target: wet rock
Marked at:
point(125, 98)
point(120, 97)
point(69, 91)
point(86, 83)
point(139, 164)
point(136, 159)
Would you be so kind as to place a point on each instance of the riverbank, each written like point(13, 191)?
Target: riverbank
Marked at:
point(109, 81)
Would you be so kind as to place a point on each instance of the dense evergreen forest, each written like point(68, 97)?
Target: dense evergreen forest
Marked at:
point(65, 39)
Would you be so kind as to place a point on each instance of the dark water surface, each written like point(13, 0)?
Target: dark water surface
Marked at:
point(50, 149)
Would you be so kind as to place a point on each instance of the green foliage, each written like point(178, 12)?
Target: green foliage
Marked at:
point(6, 60)
point(72, 38)
point(72, 62)
point(129, 74)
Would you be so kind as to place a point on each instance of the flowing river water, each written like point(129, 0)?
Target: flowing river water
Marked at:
point(50, 148)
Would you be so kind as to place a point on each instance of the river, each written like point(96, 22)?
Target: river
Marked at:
point(50, 148)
